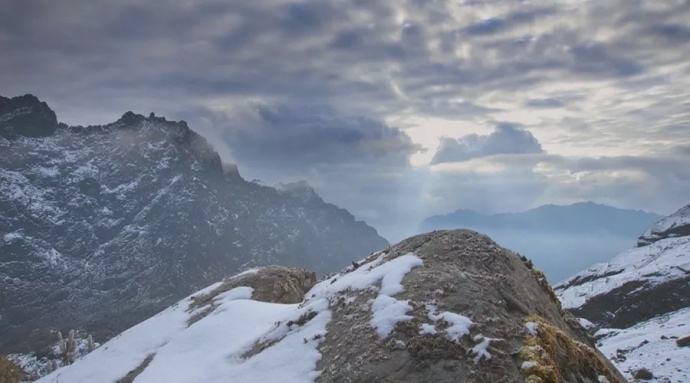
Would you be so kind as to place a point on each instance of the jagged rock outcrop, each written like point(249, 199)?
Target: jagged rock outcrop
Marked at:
point(26, 116)
point(446, 306)
point(639, 301)
point(103, 226)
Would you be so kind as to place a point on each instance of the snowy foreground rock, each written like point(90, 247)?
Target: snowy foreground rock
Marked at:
point(448, 306)
point(639, 302)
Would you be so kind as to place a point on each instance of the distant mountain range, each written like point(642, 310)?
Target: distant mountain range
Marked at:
point(578, 218)
point(561, 240)
point(103, 226)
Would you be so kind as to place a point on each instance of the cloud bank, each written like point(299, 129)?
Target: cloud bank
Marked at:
point(388, 108)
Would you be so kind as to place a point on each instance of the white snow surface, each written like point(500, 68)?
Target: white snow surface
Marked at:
point(459, 325)
point(216, 348)
point(677, 219)
point(662, 261)
point(386, 312)
point(667, 361)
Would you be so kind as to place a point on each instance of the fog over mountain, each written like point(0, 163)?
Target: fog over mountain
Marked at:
point(560, 240)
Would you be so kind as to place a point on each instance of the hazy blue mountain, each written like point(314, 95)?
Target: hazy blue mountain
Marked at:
point(561, 240)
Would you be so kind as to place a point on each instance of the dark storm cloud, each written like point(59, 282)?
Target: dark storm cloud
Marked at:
point(505, 139)
point(303, 137)
point(354, 52)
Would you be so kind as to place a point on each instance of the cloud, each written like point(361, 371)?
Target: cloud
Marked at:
point(334, 85)
point(544, 103)
point(283, 136)
point(505, 139)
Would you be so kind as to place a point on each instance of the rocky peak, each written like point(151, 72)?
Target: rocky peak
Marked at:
point(26, 116)
point(147, 129)
point(300, 190)
point(445, 306)
point(675, 225)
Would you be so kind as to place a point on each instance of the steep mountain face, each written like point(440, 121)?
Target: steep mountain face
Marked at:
point(561, 240)
point(640, 298)
point(103, 226)
point(448, 306)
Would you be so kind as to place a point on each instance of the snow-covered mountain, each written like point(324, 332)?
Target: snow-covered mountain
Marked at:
point(103, 226)
point(639, 301)
point(448, 306)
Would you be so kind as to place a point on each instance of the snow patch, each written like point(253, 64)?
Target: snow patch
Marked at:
point(386, 312)
point(365, 276)
point(47, 171)
point(427, 329)
point(54, 257)
point(11, 237)
point(586, 324)
point(481, 349)
point(459, 325)
point(531, 328)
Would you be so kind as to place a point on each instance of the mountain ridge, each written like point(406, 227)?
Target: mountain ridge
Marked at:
point(106, 224)
point(549, 216)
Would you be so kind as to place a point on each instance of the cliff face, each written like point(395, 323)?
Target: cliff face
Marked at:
point(446, 306)
point(103, 226)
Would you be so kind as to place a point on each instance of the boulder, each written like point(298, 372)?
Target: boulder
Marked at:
point(518, 331)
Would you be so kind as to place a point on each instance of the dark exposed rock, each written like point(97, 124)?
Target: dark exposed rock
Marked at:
point(643, 374)
point(26, 116)
point(632, 303)
point(103, 226)
point(10, 372)
point(273, 284)
point(683, 342)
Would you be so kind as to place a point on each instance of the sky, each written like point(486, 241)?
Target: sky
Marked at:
point(395, 110)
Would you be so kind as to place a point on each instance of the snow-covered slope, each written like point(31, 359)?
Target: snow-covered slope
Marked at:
point(639, 268)
point(167, 348)
point(675, 225)
point(103, 226)
point(651, 345)
point(641, 300)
